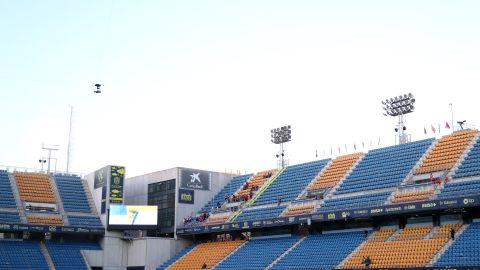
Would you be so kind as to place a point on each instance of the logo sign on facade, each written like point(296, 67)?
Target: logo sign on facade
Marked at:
point(193, 179)
point(186, 196)
point(117, 176)
point(100, 178)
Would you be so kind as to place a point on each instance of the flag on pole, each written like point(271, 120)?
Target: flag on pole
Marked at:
point(363, 145)
point(433, 129)
point(346, 148)
point(316, 153)
point(331, 150)
point(355, 146)
point(447, 125)
point(339, 149)
point(424, 130)
point(438, 128)
point(378, 140)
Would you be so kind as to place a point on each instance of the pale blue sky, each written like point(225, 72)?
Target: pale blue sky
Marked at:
point(200, 83)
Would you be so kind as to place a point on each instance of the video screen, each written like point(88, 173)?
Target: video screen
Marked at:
point(132, 217)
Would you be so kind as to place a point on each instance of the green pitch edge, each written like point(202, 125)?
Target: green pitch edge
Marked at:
point(257, 194)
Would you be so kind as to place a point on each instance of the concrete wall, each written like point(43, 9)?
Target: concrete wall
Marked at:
point(118, 253)
point(136, 190)
point(202, 197)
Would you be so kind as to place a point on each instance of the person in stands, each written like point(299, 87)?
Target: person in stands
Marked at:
point(452, 233)
point(367, 261)
point(204, 266)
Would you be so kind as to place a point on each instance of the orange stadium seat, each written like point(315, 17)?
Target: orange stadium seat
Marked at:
point(35, 187)
point(447, 151)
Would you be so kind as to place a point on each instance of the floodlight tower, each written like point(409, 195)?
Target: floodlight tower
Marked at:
point(399, 106)
point(280, 136)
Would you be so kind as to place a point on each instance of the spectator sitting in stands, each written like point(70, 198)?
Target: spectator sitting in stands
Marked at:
point(204, 266)
point(452, 233)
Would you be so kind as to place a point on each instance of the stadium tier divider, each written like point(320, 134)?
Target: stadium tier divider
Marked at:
point(177, 256)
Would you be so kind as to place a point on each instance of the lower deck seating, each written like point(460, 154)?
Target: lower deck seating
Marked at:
point(261, 213)
point(465, 250)
point(410, 248)
point(9, 217)
point(49, 220)
point(206, 253)
point(371, 199)
point(299, 209)
point(460, 188)
point(67, 255)
point(21, 254)
point(324, 251)
point(218, 218)
point(89, 221)
point(7, 201)
point(258, 253)
point(177, 256)
point(413, 196)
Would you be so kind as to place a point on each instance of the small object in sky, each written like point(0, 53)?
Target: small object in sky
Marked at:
point(98, 90)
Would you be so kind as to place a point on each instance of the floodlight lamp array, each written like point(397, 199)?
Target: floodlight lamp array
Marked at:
point(400, 105)
point(281, 135)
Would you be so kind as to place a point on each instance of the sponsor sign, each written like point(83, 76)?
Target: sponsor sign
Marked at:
point(117, 176)
point(186, 196)
point(195, 179)
point(50, 228)
point(348, 214)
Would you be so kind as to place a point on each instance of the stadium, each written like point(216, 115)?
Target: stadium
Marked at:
point(239, 135)
point(411, 205)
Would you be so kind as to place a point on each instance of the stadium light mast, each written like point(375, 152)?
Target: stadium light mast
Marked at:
point(50, 148)
point(280, 136)
point(399, 106)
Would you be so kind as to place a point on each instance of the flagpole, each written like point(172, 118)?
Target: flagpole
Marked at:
point(451, 110)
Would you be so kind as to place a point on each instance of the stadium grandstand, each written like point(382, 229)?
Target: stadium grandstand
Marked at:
point(413, 205)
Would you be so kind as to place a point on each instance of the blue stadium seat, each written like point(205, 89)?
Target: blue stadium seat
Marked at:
point(72, 193)
point(357, 201)
point(465, 250)
point(177, 256)
point(321, 251)
point(9, 217)
point(258, 253)
point(260, 213)
point(229, 189)
point(21, 254)
point(460, 188)
point(384, 167)
point(471, 164)
point(7, 201)
point(291, 182)
point(85, 221)
point(67, 255)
